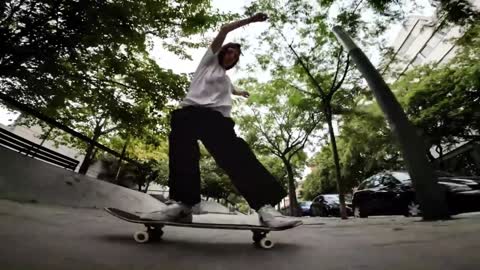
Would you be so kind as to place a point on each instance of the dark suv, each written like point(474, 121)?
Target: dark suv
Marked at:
point(392, 193)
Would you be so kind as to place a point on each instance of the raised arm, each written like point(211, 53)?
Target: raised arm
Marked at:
point(225, 29)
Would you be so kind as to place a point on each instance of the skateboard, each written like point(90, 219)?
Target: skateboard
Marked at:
point(154, 228)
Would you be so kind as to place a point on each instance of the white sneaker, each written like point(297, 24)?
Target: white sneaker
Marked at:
point(274, 219)
point(175, 212)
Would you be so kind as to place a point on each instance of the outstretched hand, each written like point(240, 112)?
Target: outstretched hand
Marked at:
point(259, 17)
point(244, 94)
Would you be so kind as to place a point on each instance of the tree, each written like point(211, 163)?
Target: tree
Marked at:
point(368, 145)
point(311, 24)
point(146, 173)
point(86, 63)
point(313, 63)
point(151, 148)
point(460, 12)
point(277, 124)
point(442, 101)
point(321, 179)
point(365, 145)
point(215, 183)
point(140, 174)
point(111, 110)
point(40, 40)
point(151, 166)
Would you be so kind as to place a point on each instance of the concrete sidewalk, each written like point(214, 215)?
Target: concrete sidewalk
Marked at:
point(37, 236)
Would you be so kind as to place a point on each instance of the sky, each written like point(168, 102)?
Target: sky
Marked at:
point(169, 60)
point(250, 32)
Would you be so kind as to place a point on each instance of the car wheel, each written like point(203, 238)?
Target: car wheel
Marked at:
point(358, 212)
point(413, 209)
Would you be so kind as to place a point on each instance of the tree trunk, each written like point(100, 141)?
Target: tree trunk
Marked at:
point(87, 160)
point(341, 192)
point(89, 153)
point(292, 196)
point(122, 156)
point(147, 185)
point(41, 143)
point(439, 150)
point(46, 136)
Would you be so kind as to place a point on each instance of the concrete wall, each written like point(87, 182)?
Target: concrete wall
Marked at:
point(26, 179)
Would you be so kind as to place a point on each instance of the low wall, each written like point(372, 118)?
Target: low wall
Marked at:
point(28, 180)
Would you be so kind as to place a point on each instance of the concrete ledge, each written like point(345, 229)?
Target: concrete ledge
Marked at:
point(26, 179)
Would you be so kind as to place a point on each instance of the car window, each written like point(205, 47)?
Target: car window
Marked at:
point(401, 176)
point(331, 198)
point(366, 183)
point(374, 181)
point(388, 180)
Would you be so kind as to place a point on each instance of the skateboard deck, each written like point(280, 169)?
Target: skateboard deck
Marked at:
point(154, 228)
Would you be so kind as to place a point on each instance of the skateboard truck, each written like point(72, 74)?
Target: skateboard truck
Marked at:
point(152, 233)
point(260, 239)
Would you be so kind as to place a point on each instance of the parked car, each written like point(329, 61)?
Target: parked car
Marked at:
point(327, 205)
point(392, 193)
point(305, 208)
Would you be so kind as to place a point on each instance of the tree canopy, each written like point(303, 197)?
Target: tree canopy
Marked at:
point(86, 63)
point(443, 101)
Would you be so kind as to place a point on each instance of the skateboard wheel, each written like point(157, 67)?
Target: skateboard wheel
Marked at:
point(266, 243)
point(141, 237)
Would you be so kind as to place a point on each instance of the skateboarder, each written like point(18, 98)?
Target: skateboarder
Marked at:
point(205, 116)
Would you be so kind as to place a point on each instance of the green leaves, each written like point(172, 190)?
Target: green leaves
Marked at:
point(42, 41)
point(459, 12)
point(443, 101)
point(365, 146)
point(215, 183)
point(278, 124)
point(86, 63)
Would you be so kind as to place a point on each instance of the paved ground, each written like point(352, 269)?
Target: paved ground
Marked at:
point(46, 237)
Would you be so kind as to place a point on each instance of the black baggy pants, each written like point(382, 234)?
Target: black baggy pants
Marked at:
point(232, 154)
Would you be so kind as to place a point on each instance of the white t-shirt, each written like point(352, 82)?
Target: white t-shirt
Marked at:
point(210, 86)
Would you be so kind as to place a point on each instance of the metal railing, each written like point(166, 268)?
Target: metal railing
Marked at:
point(16, 143)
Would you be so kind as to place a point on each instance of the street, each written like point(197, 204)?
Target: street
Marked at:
point(52, 237)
